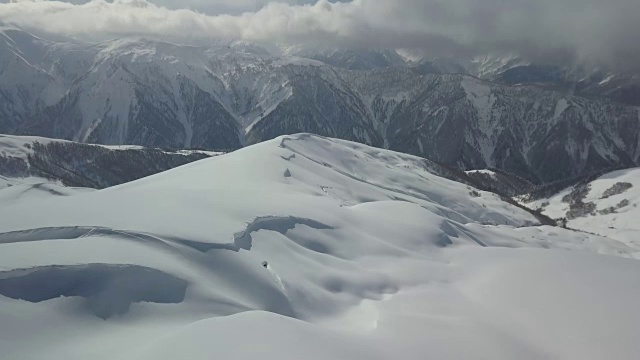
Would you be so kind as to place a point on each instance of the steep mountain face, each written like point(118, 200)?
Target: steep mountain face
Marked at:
point(537, 134)
point(142, 92)
point(322, 101)
point(136, 92)
point(22, 84)
point(34, 161)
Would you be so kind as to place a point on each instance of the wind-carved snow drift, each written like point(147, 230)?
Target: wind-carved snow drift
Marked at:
point(243, 239)
point(108, 289)
point(358, 253)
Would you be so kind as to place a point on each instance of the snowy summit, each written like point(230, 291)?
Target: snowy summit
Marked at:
point(306, 247)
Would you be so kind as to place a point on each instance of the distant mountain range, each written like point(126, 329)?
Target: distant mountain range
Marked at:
point(542, 123)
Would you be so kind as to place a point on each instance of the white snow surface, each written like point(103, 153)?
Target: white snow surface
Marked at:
point(305, 247)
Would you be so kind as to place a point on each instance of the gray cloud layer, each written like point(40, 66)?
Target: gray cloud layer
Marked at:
point(593, 30)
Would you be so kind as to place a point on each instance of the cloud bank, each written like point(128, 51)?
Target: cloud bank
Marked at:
point(592, 30)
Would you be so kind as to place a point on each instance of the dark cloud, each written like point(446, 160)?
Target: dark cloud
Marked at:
point(590, 30)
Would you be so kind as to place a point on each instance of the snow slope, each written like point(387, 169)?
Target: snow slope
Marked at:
point(614, 213)
point(306, 247)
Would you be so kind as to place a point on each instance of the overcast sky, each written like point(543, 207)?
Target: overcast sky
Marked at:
point(594, 30)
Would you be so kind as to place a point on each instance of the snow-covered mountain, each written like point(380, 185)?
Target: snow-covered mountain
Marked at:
point(144, 92)
point(305, 247)
point(606, 205)
point(41, 163)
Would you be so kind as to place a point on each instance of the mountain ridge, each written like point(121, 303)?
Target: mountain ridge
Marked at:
point(151, 93)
